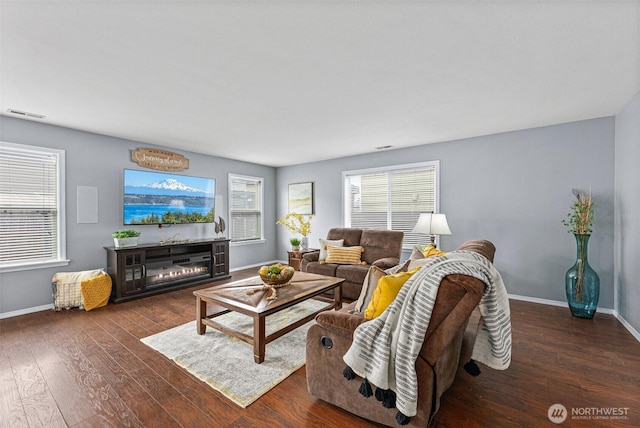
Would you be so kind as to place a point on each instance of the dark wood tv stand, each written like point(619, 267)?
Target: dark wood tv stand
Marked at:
point(149, 269)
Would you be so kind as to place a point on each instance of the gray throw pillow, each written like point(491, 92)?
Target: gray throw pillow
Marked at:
point(323, 247)
point(417, 252)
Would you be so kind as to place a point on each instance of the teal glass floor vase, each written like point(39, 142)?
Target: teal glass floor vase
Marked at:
point(582, 282)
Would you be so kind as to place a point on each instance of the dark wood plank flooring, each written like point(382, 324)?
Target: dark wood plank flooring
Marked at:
point(89, 369)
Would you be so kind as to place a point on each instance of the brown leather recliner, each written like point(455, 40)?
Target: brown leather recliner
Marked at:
point(436, 366)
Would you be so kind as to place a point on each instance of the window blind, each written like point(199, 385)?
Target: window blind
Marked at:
point(29, 205)
point(245, 196)
point(391, 198)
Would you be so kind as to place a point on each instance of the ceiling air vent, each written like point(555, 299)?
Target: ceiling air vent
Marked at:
point(26, 114)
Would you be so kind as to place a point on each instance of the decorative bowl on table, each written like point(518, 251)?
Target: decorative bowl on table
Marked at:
point(276, 274)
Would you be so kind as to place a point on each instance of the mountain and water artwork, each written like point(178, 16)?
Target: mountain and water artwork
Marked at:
point(164, 198)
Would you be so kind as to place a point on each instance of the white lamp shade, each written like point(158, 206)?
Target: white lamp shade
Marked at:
point(432, 224)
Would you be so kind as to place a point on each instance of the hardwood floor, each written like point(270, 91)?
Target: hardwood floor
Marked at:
point(89, 369)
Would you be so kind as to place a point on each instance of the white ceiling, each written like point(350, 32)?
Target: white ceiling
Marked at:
point(281, 83)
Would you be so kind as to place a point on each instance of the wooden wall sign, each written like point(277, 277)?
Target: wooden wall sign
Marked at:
point(162, 160)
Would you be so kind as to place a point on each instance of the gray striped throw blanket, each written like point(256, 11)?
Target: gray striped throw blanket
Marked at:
point(384, 350)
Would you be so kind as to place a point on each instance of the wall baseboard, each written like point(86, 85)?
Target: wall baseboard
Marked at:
point(25, 311)
point(635, 333)
point(537, 300)
point(257, 266)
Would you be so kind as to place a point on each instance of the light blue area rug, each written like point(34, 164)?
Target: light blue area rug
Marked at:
point(226, 363)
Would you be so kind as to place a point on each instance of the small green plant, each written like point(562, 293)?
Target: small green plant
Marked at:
point(125, 233)
point(295, 242)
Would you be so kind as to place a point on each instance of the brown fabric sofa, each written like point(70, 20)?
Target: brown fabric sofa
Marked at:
point(382, 248)
point(436, 366)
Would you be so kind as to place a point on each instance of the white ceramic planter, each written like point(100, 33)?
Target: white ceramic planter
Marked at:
point(304, 243)
point(125, 242)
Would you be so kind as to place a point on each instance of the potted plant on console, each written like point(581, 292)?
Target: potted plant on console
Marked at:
point(125, 238)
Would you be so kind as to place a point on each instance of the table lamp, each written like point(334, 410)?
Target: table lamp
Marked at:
point(432, 224)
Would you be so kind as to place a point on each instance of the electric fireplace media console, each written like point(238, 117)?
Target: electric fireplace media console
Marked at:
point(149, 269)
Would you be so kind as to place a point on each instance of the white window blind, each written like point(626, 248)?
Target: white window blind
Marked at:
point(391, 197)
point(30, 200)
point(245, 196)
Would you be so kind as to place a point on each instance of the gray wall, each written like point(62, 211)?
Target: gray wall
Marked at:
point(512, 188)
point(98, 161)
point(627, 202)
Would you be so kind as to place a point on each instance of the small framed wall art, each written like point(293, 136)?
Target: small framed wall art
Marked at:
point(301, 198)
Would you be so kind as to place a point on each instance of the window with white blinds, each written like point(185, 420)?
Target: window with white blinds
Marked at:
point(391, 197)
point(31, 196)
point(245, 208)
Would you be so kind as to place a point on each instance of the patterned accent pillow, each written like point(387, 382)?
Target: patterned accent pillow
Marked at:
point(345, 255)
point(323, 247)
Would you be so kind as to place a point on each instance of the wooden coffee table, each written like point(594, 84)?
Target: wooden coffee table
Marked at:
point(234, 297)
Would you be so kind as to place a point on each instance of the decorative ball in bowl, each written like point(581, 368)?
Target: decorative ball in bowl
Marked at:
point(276, 274)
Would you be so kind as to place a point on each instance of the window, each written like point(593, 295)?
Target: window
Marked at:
point(245, 196)
point(391, 197)
point(31, 201)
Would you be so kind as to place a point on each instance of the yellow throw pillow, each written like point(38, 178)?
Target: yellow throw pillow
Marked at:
point(96, 291)
point(430, 251)
point(371, 282)
point(388, 288)
point(344, 255)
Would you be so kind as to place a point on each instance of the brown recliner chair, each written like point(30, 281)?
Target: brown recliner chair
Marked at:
point(436, 366)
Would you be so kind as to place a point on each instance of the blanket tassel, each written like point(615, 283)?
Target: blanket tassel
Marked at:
point(348, 373)
point(402, 419)
point(387, 397)
point(472, 368)
point(389, 401)
point(365, 388)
